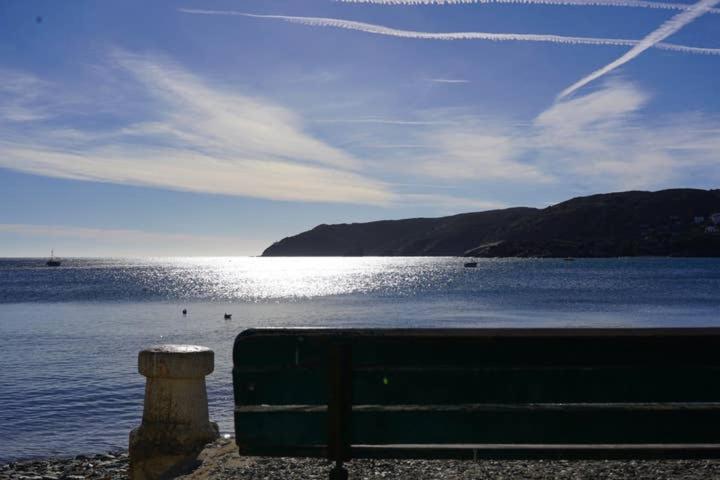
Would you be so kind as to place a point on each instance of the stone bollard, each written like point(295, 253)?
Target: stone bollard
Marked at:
point(175, 425)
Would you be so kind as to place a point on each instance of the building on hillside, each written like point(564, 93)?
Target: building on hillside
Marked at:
point(699, 219)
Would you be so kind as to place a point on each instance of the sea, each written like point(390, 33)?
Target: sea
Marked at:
point(70, 335)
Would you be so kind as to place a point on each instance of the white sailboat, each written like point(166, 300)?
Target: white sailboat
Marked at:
point(53, 262)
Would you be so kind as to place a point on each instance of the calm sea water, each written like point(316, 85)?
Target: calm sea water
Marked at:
point(69, 336)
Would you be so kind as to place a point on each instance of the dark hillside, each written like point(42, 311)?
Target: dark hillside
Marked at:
point(607, 225)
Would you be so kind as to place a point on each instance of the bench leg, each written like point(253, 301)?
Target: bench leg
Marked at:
point(338, 472)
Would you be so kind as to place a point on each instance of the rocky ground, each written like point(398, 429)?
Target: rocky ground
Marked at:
point(220, 461)
point(105, 466)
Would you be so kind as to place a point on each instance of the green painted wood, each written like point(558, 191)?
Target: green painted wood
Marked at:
point(414, 387)
point(486, 426)
point(519, 385)
point(306, 348)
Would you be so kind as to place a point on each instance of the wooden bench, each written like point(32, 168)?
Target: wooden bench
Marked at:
point(478, 394)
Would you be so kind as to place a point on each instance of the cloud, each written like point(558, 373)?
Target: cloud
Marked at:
point(474, 153)
point(397, 145)
point(116, 235)
point(127, 241)
point(658, 35)
point(601, 141)
point(569, 118)
point(580, 3)
point(450, 36)
point(177, 169)
point(388, 121)
point(19, 97)
point(249, 126)
point(448, 80)
point(449, 203)
point(191, 137)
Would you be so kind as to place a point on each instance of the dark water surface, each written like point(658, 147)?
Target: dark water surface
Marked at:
point(69, 336)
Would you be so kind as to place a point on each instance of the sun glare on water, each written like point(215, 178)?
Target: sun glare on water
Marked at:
point(300, 277)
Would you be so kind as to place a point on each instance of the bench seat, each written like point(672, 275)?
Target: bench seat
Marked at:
point(484, 393)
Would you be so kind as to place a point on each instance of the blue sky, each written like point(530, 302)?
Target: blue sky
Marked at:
point(188, 128)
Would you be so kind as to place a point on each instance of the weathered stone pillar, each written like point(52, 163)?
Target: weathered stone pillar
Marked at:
point(175, 424)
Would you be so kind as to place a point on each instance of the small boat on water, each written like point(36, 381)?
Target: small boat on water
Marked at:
point(53, 262)
point(470, 264)
point(228, 316)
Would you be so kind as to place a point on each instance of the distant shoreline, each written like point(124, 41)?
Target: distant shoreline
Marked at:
point(462, 258)
point(681, 223)
point(41, 260)
point(521, 257)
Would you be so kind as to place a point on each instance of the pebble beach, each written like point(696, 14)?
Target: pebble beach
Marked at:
point(221, 461)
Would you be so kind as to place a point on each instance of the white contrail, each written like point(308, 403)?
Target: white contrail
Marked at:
point(447, 80)
point(583, 3)
point(665, 30)
point(496, 37)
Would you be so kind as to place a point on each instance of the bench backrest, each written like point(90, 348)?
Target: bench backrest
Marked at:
point(513, 393)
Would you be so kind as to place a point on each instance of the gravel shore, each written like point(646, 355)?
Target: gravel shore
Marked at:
point(109, 466)
point(220, 461)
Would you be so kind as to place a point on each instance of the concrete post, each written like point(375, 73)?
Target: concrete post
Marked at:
point(175, 425)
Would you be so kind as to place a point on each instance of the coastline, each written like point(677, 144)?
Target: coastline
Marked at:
point(674, 222)
point(221, 461)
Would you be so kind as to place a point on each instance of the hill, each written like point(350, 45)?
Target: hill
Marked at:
point(673, 222)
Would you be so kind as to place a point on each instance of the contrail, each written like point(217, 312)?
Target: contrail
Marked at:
point(665, 30)
point(495, 37)
point(583, 3)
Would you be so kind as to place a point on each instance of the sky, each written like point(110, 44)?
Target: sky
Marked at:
point(219, 127)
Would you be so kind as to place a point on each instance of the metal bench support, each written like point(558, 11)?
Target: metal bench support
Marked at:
point(339, 407)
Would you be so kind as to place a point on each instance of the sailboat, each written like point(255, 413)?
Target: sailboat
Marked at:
point(53, 262)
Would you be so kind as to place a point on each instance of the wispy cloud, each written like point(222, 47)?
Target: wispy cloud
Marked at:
point(665, 30)
point(396, 146)
point(602, 138)
point(582, 3)
point(194, 137)
point(449, 203)
point(19, 97)
point(198, 138)
point(598, 141)
point(118, 235)
point(450, 36)
point(447, 80)
point(91, 241)
point(475, 153)
point(388, 121)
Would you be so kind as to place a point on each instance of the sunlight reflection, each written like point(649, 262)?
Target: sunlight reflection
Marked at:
point(265, 278)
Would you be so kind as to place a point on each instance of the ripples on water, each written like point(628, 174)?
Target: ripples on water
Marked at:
point(69, 336)
point(241, 279)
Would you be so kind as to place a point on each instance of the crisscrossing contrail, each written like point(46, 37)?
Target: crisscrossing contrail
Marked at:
point(653, 38)
point(449, 36)
point(579, 3)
